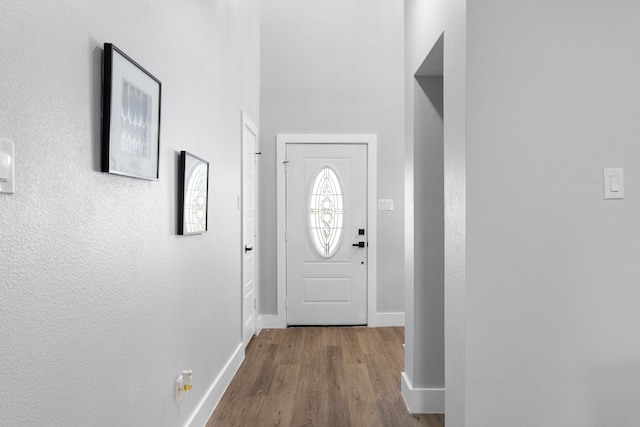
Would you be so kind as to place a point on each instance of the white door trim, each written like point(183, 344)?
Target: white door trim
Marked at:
point(249, 125)
point(372, 173)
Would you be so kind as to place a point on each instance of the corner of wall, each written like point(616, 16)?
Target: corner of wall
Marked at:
point(422, 400)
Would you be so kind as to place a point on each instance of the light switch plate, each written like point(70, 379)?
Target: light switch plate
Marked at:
point(4, 166)
point(7, 166)
point(613, 183)
point(385, 204)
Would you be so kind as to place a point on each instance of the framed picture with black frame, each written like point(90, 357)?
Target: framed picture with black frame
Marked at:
point(193, 194)
point(130, 117)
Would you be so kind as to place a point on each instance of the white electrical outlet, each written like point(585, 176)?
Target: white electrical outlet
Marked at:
point(179, 390)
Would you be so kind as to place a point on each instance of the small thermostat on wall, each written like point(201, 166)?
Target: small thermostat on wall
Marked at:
point(385, 204)
point(7, 166)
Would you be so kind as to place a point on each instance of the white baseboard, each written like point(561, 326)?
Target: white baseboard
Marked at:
point(206, 407)
point(387, 319)
point(271, 321)
point(422, 400)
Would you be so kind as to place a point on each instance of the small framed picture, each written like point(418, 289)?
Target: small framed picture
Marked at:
point(130, 117)
point(193, 191)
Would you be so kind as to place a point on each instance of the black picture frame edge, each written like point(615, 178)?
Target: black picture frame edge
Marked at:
point(107, 74)
point(181, 178)
point(181, 194)
point(107, 86)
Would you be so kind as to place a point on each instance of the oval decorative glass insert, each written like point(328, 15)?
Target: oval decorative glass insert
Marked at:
point(326, 212)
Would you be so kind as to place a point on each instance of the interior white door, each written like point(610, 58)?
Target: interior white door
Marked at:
point(249, 228)
point(326, 232)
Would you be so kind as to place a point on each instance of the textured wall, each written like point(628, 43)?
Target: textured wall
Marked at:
point(335, 67)
point(101, 303)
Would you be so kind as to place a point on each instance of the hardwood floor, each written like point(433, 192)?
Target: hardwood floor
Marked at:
point(320, 376)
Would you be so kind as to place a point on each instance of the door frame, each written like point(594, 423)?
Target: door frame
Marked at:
point(249, 125)
point(370, 140)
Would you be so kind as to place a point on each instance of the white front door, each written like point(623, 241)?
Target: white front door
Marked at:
point(326, 223)
point(249, 230)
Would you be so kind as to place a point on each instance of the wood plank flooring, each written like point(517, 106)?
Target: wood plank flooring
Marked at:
point(320, 376)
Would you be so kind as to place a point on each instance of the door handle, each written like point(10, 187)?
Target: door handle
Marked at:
point(359, 245)
point(247, 248)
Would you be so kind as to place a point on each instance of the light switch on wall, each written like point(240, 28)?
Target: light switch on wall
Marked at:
point(613, 183)
point(7, 165)
point(4, 166)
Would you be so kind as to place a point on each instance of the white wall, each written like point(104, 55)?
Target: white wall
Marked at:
point(552, 268)
point(428, 292)
point(424, 24)
point(423, 379)
point(335, 67)
point(541, 284)
point(101, 303)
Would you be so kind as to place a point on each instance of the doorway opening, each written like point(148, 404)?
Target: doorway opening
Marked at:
point(423, 378)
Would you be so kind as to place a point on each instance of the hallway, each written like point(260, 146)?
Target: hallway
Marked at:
point(320, 376)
